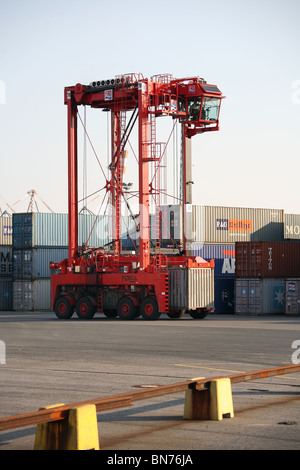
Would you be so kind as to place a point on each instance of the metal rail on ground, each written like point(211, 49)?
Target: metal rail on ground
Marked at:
point(125, 399)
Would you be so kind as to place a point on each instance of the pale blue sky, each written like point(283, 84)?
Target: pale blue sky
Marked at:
point(250, 49)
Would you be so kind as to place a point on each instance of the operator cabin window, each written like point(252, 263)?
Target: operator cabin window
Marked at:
point(210, 109)
point(182, 108)
point(194, 105)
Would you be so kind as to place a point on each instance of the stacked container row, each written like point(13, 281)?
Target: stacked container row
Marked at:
point(6, 282)
point(262, 270)
point(38, 239)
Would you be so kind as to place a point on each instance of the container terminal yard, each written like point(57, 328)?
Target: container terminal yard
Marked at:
point(207, 274)
point(242, 283)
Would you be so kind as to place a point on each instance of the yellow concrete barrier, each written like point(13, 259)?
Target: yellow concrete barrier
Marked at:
point(78, 432)
point(83, 428)
point(215, 403)
point(50, 436)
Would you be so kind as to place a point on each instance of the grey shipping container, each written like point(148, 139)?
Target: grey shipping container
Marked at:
point(6, 294)
point(6, 261)
point(191, 288)
point(259, 296)
point(292, 226)
point(31, 295)
point(34, 263)
point(6, 230)
point(217, 224)
point(292, 296)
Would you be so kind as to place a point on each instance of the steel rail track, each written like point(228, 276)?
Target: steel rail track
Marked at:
point(125, 399)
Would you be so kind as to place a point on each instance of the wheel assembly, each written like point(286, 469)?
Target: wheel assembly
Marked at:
point(176, 314)
point(126, 309)
point(198, 314)
point(149, 309)
point(63, 308)
point(85, 308)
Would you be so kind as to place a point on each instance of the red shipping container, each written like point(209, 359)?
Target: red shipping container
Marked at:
point(267, 259)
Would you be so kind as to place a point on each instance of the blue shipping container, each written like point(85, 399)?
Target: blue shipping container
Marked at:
point(224, 256)
point(6, 294)
point(51, 230)
point(34, 264)
point(38, 229)
point(224, 295)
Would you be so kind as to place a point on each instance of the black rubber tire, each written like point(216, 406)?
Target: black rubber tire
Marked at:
point(126, 309)
point(85, 309)
point(110, 313)
point(176, 314)
point(198, 314)
point(149, 309)
point(63, 309)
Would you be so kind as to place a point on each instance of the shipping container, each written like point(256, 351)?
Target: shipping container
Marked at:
point(32, 230)
point(224, 295)
point(292, 226)
point(6, 294)
point(6, 230)
point(215, 224)
point(292, 296)
point(191, 288)
point(34, 263)
point(32, 295)
point(267, 259)
point(40, 229)
point(224, 256)
point(259, 296)
point(6, 266)
point(167, 225)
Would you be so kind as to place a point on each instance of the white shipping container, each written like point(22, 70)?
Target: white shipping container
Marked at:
point(191, 288)
point(32, 295)
point(259, 296)
point(6, 230)
point(292, 296)
point(292, 226)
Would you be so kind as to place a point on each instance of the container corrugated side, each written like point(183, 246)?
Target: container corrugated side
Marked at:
point(31, 295)
point(6, 265)
point(6, 294)
point(167, 225)
point(191, 288)
point(93, 231)
point(32, 230)
point(259, 296)
point(6, 230)
point(292, 226)
point(267, 259)
point(40, 229)
point(292, 296)
point(224, 256)
point(34, 263)
point(216, 224)
point(22, 296)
